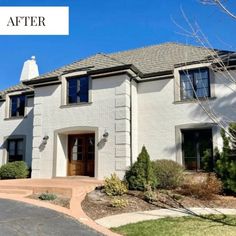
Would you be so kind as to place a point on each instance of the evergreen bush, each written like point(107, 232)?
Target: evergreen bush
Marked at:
point(226, 163)
point(141, 173)
point(207, 161)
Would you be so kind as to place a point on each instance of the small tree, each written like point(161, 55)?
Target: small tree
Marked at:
point(141, 173)
point(226, 163)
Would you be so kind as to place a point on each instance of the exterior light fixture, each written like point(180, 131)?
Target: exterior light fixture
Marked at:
point(105, 136)
point(45, 140)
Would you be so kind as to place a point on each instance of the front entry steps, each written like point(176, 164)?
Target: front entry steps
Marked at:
point(80, 177)
point(14, 191)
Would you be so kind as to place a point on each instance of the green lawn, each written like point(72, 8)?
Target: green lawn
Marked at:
point(211, 225)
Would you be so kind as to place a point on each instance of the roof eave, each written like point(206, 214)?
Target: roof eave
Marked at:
point(47, 80)
point(41, 80)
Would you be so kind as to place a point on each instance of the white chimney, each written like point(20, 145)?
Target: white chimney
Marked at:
point(29, 70)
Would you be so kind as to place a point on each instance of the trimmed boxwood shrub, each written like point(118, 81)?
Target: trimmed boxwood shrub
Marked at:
point(141, 173)
point(14, 170)
point(169, 174)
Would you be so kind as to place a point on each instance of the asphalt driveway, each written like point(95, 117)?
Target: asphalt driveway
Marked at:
point(20, 219)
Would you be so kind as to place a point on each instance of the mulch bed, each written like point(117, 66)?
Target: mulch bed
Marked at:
point(60, 200)
point(97, 204)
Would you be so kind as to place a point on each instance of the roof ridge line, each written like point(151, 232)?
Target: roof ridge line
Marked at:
point(69, 64)
point(166, 43)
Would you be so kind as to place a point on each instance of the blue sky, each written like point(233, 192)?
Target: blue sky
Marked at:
point(110, 26)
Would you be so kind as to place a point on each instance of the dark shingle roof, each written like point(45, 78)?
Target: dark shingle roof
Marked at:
point(163, 57)
point(18, 87)
point(148, 60)
point(96, 62)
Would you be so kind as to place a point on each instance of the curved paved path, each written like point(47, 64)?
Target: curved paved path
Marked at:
point(134, 217)
point(20, 219)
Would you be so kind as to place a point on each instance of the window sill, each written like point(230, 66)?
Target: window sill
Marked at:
point(16, 118)
point(76, 104)
point(193, 100)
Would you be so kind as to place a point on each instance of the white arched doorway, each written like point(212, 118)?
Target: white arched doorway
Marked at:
point(75, 151)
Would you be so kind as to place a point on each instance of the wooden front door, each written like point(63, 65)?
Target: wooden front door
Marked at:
point(81, 154)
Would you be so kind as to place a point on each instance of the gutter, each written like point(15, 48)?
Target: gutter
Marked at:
point(100, 72)
point(39, 81)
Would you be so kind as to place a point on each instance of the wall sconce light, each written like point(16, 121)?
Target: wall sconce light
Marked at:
point(105, 136)
point(44, 143)
point(45, 140)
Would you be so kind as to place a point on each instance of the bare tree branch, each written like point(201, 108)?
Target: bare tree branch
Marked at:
point(217, 64)
point(220, 5)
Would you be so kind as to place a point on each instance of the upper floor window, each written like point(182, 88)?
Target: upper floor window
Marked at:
point(78, 90)
point(17, 106)
point(194, 83)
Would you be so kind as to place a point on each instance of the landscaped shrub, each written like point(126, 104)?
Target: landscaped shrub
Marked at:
point(169, 173)
point(207, 164)
point(226, 163)
point(47, 196)
point(141, 173)
point(14, 170)
point(114, 186)
point(149, 194)
point(119, 202)
point(204, 188)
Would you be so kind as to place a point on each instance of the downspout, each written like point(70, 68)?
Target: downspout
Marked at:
point(131, 118)
point(131, 126)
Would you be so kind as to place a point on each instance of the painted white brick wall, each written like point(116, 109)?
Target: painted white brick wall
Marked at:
point(11, 127)
point(108, 111)
point(158, 114)
point(154, 117)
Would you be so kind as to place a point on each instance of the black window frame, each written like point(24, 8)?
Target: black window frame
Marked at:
point(192, 76)
point(196, 138)
point(15, 157)
point(17, 107)
point(74, 93)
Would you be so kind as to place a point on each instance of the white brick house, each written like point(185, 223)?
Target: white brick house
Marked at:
point(92, 117)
